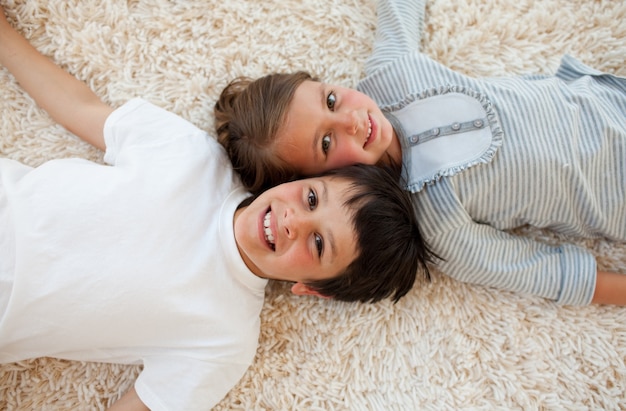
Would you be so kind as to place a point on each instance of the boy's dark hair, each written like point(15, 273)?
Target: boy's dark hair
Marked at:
point(390, 246)
point(248, 115)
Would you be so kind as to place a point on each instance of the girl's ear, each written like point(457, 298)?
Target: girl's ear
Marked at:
point(303, 289)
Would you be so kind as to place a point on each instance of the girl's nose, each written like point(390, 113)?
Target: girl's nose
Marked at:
point(350, 122)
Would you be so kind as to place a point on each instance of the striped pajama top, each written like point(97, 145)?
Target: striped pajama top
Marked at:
point(485, 155)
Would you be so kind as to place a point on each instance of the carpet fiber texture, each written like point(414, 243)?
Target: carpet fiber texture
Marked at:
point(446, 345)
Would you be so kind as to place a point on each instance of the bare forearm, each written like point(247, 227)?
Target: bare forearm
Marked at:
point(68, 101)
point(129, 402)
point(610, 289)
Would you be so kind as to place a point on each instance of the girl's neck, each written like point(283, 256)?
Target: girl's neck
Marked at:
point(394, 152)
point(392, 158)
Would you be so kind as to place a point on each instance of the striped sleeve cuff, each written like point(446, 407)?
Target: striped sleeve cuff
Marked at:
point(578, 276)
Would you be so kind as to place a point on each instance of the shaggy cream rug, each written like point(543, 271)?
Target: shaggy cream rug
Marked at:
point(446, 345)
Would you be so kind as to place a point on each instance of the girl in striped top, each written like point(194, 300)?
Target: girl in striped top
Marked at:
point(480, 156)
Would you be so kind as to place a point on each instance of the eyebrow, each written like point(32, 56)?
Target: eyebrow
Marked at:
point(316, 137)
point(329, 233)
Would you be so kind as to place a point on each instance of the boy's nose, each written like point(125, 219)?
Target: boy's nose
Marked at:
point(295, 223)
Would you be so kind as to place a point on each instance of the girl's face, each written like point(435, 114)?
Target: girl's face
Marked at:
point(328, 127)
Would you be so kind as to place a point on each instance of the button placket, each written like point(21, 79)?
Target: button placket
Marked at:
point(454, 128)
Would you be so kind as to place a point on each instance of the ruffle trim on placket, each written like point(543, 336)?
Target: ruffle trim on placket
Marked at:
point(485, 156)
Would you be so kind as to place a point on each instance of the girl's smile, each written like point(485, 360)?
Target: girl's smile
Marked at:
point(371, 132)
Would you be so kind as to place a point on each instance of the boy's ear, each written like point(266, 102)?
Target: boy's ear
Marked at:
point(303, 289)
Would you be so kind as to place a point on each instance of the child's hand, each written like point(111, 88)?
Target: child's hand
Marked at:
point(3, 18)
point(5, 26)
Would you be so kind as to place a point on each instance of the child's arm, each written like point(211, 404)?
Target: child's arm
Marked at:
point(129, 402)
point(610, 289)
point(399, 29)
point(68, 101)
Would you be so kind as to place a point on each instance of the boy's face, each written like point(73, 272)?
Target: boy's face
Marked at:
point(329, 127)
point(298, 231)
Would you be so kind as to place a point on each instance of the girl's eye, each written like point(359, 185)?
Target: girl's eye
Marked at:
point(331, 99)
point(312, 200)
point(325, 144)
point(319, 244)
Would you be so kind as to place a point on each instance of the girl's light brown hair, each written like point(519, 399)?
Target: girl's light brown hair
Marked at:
point(248, 116)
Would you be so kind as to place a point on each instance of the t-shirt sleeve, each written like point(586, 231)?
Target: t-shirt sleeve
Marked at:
point(480, 254)
point(399, 29)
point(140, 124)
point(182, 383)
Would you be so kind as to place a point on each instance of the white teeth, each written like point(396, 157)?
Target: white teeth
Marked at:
point(369, 130)
point(269, 236)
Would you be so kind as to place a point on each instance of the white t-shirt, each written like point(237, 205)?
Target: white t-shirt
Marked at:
point(132, 262)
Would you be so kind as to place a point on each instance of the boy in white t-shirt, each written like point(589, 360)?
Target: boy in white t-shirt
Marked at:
point(160, 257)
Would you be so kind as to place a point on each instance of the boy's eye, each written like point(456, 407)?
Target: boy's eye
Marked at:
point(325, 144)
point(330, 101)
point(312, 200)
point(319, 244)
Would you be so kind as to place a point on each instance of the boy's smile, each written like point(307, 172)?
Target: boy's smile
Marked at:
point(328, 127)
point(298, 231)
point(269, 230)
